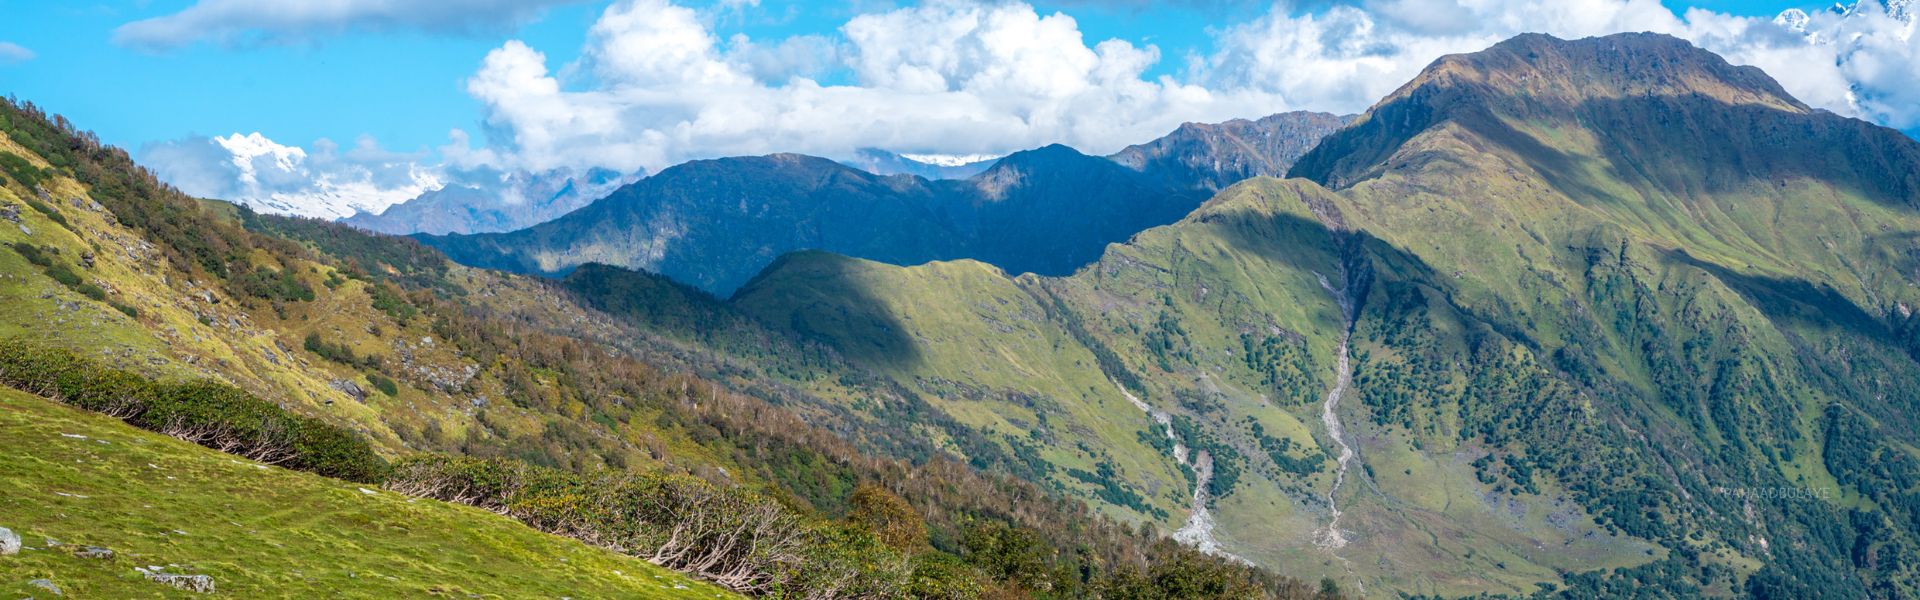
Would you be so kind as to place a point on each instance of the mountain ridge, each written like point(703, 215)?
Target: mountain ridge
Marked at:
point(1609, 279)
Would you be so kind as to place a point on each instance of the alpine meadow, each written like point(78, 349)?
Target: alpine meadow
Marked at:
point(1412, 300)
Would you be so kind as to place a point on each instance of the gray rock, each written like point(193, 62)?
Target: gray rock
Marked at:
point(45, 585)
point(351, 389)
point(191, 583)
point(9, 543)
point(93, 552)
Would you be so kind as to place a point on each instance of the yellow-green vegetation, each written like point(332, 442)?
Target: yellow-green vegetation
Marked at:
point(384, 341)
point(80, 479)
point(1630, 320)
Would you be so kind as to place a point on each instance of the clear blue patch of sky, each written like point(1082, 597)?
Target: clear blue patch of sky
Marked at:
point(407, 89)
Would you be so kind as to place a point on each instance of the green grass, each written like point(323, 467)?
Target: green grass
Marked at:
point(263, 531)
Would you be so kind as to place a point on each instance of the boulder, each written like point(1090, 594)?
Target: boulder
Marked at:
point(191, 583)
point(45, 585)
point(9, 542)
point(351, 389)
point(93, 552)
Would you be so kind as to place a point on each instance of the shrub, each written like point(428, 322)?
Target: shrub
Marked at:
point(384, 384)
point(125, 309)
point(91, 291)
point(52, 215)
point(209, 413)
point(273, 284)
point(33, 254)
point(18, 169)
point(729, 535)
point(64, 275)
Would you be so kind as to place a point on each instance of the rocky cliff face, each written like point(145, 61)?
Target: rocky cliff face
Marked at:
point(1212, 156)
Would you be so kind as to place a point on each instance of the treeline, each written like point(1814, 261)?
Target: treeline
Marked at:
point(208, 413)
point(193, 238)
point(998, 536)
point(1065, 550)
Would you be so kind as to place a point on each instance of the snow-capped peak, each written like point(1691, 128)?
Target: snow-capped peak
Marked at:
point(275, 178)
point(949, 160)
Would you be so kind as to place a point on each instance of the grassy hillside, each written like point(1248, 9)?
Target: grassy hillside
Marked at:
point(384, 338)
point(1622, 318)
point(90, 480)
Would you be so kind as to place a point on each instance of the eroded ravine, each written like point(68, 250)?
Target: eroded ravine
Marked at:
point(1198, 530)
point(1331, 538)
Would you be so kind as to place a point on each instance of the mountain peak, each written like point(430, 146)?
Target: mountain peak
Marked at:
point(1645, 102)
point(1545, 69)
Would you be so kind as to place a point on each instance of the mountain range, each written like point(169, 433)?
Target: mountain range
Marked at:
point(1595, 318)
point(490, 202)
point(1606, 316)
point(714, 224)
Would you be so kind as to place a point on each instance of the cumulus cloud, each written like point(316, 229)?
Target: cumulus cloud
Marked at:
point(11, 53)
point(271, 177)
point(655, 85)
point(281, 21)
point(1859, 61)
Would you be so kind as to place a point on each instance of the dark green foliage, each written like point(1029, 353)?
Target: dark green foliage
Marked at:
point(211, 414)
point(1108, 486)
point(64, 275)
point(52, 215)
point(268, 283)
point(1282, 450)
point(33, 254)
point(19, 169)
point(398, 260)
point(125, 309)
point(1284, 366)
point(384, 384)
point(391, 301)
point(678, 521)
point(193, 237)
point(339, 353)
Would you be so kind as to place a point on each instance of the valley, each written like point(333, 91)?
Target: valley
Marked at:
point(1559, 318)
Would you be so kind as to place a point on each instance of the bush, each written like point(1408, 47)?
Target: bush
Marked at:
point(33, 254)
point(52, 215)
point(208, 413)
point(384, 384)
point(273, 284)
point(91, 291)
point(64, 275)
point(17, 168)
point(124, 309)
point(728, 535)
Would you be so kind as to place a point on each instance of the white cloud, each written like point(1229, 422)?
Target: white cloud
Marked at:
point(655, 85)
point(271, 177)
point(280, 21)
point(11, 53)
point(1861, 62)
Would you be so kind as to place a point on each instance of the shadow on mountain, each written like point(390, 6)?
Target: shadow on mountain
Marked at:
point(1793, 301)
point(1391, 281)
point(826, 298)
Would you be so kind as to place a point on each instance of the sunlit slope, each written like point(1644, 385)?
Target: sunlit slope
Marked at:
point(264, 532)
point(1619, 304)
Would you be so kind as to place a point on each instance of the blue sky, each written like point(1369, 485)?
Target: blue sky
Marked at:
point(171, 74)
point(405, 87)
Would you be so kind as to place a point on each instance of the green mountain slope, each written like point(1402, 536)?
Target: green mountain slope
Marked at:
point(384, 339)
point(90, 480)
point(1610, 304)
